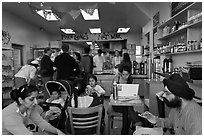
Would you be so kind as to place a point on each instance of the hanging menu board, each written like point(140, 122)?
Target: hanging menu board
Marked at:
point(176, 7)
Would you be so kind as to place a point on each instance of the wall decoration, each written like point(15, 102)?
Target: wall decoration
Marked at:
point(6, 37)
point(74, 13)
point(156, 19)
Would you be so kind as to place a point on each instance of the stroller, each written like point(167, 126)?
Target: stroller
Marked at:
point(65, 88)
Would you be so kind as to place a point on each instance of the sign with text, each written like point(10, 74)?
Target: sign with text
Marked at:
point(176, 7)
point(91, 37)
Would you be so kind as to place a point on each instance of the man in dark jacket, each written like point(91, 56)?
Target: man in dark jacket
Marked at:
point(65, 64)
point(87, 62)
point(46, 66)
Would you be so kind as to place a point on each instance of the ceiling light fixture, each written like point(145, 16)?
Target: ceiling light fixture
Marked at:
point(123, 30)
point(89, 43)
point(48, 15)
point(90, 14)
point(68, 31)
point(95, 30)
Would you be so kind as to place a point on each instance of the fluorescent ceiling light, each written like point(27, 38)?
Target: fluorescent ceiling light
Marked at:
point(68, 31)
point(48, 15)
point(123, 30)
point(89, 43)
point(95, 30)
point(87, 16)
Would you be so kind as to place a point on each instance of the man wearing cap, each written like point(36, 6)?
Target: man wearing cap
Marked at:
point(185, 116)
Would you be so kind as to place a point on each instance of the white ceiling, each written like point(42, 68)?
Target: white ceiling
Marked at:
point(112, 16)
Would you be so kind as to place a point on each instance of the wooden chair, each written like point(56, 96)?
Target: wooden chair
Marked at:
point(85, 120)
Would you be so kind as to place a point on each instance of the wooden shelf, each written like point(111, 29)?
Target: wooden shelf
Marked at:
point(184, 52)
point(194, 25)
point(195, 5)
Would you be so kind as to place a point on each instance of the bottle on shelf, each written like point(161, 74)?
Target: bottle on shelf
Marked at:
point(115, 91)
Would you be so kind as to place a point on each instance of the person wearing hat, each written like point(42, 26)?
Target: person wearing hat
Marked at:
point(27, 74)
point(185, 116)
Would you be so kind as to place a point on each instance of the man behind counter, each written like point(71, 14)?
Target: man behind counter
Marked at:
point(185, 116)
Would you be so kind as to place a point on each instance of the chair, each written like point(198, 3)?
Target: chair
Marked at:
point(85, 120)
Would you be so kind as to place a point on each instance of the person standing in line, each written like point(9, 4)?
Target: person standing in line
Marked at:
point(116, 61)
point(65, 65)
point(46, 66)
point(98, 61)
point(125, 62)
point(27, 74)
point(80, 68)
point(87, 63)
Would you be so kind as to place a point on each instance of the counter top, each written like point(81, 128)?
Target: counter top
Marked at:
point(139, 76)
point(105, 74)
point(155, 81)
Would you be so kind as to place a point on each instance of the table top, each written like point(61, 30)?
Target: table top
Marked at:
point(126, 101)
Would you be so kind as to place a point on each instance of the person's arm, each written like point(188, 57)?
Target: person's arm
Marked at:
point(166, 122)
point(160, 122)
point(194, 122)
point(100, 90)
point(42, 123)
point(32, 75)
point(15, 125)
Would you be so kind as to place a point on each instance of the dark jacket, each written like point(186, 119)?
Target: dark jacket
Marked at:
point(46, 66)
point(87, 63)
point(66, 67)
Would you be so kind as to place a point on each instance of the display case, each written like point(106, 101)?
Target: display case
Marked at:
point(7, 74)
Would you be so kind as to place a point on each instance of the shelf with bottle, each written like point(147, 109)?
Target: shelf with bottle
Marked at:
point(146, 50)
point(183, 28)
point(180, 45)
point(182, 13)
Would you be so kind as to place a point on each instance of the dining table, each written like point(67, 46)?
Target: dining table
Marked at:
point(124, 102)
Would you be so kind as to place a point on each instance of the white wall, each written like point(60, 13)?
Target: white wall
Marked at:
point(23, 33)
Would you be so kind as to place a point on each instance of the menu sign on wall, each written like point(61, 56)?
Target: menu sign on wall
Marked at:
point(176, 7)
point(90, 37)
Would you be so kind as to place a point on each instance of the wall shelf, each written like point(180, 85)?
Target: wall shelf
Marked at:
point(193, 6)
point(194, 25)
point(184, 52)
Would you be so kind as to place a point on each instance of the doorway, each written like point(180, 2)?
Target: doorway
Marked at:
point(17, 56)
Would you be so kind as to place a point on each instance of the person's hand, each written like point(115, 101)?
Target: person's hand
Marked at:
point(149, 116)
point(88, 91)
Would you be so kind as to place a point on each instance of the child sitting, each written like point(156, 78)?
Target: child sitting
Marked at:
point(93, 87)
point(54, 112)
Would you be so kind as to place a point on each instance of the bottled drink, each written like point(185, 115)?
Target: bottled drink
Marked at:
point(115, 91)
